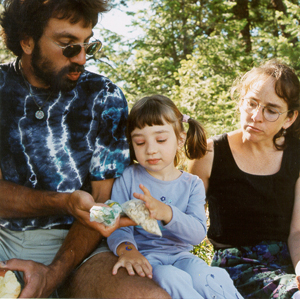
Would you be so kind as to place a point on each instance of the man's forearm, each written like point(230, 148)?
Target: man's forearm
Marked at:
point(21, 201)
point(81, 240)
point(79, 243)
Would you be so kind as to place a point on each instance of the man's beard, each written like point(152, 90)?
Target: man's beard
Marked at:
point(58, 81)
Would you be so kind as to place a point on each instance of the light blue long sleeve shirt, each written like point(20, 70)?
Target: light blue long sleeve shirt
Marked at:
point(186, 197)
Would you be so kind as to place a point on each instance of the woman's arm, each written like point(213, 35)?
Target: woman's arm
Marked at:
point(294, 237)
point(202, 167)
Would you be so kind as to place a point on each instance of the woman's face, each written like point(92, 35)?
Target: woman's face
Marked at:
point(254, 125)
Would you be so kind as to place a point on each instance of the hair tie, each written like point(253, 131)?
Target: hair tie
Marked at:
point(185, 118)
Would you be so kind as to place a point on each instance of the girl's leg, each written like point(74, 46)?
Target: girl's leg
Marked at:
point(210, 282)
point(176, 282)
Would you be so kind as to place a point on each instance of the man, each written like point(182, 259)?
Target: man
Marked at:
point(62, 145)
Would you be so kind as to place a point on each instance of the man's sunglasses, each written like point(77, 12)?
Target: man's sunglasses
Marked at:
point(72, 50)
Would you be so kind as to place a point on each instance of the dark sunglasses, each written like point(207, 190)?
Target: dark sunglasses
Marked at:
point(72, 50)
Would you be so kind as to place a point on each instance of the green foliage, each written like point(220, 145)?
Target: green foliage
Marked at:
point(5, 55)
point(205, 251)
point(193, 50)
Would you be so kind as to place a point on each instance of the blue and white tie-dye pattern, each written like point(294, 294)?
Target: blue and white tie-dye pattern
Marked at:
point(80, 139)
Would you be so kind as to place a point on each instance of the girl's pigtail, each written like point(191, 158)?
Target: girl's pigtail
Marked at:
point(195, 145)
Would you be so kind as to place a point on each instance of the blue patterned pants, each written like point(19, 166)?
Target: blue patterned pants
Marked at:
point(261, 271)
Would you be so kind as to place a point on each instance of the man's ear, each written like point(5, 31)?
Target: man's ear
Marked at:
point(181, 140)
point(290, 120)
point(27, 45)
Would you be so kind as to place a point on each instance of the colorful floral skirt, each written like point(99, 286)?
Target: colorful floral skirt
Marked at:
point(261, 271)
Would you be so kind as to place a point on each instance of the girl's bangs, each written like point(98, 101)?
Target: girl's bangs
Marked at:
point(152, 115)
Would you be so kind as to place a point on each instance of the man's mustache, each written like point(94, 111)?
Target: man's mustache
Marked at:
point(75, 68)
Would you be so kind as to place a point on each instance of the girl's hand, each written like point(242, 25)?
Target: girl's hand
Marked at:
point(133, 261)
point(158, 210)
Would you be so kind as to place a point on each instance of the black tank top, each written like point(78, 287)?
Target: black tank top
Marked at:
point(246, 209)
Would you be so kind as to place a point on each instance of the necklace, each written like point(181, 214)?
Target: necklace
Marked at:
point(39, 114)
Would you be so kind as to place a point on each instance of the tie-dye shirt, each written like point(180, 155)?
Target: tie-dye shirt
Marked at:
point(80, 139)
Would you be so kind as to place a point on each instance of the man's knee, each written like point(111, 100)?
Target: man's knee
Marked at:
point(94, 279)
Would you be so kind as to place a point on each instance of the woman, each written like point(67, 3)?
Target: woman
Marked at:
point(253, 188)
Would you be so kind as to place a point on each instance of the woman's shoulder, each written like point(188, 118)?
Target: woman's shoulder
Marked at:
point(217, 138)
point(235, 135)
point(224, 137)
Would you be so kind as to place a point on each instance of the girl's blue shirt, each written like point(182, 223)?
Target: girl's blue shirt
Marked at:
point(185, 195)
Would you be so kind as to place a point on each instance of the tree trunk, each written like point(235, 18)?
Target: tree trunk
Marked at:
point(241, 11)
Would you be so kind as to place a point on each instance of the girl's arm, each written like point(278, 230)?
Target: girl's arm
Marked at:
point(131, 259)
point(294, 237)
point(188, 225)
point(157, 209)
point(122, 242)
point(121, 193)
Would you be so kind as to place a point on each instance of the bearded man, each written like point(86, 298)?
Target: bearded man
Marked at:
point(62, 144)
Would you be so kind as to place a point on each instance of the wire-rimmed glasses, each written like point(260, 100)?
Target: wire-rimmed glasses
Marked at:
point(270, 113)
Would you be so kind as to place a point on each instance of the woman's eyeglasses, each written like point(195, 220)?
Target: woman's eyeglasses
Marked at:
point(72, 50)
point(269, 113)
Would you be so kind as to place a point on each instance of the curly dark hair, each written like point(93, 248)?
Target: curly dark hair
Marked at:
point(28, 18)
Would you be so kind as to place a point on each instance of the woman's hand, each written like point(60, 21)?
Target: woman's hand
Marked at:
point(131, 259)
point(158, 210)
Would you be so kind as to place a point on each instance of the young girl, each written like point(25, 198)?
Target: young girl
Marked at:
point(175, 198)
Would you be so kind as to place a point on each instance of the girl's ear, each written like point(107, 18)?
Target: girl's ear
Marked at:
point(181, 140)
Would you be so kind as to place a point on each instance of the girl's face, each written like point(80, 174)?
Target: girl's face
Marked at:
point(254, 125)
point(155, 148)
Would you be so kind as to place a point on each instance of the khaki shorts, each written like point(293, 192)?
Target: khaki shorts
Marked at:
point(39, 245)
point(103, 247)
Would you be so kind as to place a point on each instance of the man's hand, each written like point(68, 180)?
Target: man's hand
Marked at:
point(133, 261)
point(79, 205)
point(40, 280)
point(158, 210)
